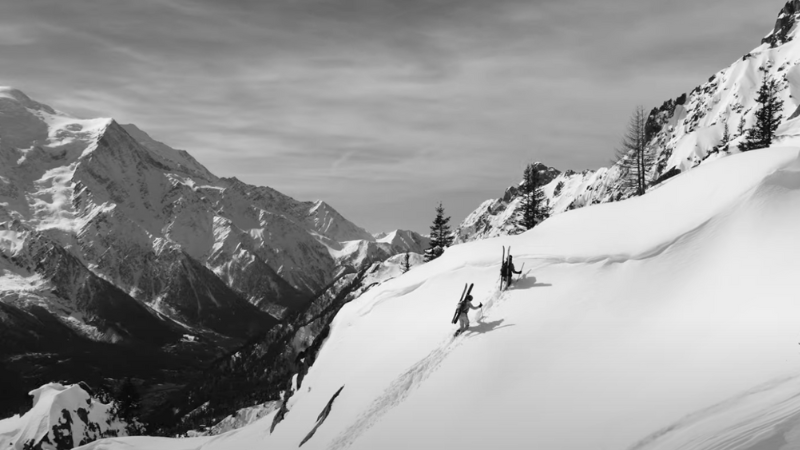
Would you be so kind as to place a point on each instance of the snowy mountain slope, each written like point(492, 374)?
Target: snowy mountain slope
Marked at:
point(151, 219)
point(180, 159)
point(404, 241)
point(327, 222)
point(361, 254)
point(42, 275)
point(262, 369)
point(629, 316)
point(765, 417)
point(239, 419)
point(62, 417)
point(684, 132)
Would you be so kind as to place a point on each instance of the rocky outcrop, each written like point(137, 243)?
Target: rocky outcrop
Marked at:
point(787, 20)
point(62, 418)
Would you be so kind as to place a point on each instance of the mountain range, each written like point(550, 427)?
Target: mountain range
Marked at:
point(663, 321)
point(108, 236)
point(116, 249)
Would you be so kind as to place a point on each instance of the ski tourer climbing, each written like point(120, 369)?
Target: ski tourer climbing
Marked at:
point(503, 266)
point(463, 318)
point(510, 271)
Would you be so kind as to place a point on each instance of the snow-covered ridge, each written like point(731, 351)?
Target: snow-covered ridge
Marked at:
point(62, 417)
point(629, 317)
point(684, 132)
point(361, 254)
point(563, 191)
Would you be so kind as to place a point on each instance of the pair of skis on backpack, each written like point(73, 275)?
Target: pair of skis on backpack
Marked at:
point(507, 269)
point(465, 295)
point(506, 272)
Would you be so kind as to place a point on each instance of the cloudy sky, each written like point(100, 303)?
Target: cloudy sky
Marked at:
point(380, 107)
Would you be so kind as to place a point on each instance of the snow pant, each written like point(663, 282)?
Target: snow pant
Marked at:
point(463, 321)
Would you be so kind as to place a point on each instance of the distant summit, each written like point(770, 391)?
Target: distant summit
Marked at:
point(108, 236)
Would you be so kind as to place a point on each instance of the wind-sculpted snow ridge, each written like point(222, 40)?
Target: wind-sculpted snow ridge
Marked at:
point(62, 417)
point(629, 317)
point(765, 417)
point(685, 132)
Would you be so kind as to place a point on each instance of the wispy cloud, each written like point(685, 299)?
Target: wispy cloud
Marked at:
point(381, 107)
point(15, 34)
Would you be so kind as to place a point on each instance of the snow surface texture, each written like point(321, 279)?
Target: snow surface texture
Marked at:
point(153, 222)
point(629, 318)
point(686, 132)
point(240, 418)
point(61, 417)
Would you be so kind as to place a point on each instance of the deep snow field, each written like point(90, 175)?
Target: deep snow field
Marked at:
point(669, 321)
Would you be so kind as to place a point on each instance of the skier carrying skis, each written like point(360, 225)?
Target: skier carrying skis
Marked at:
point(510, 271)
point(463, 319)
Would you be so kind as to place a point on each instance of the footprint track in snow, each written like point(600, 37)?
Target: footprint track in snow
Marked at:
point(405, 384)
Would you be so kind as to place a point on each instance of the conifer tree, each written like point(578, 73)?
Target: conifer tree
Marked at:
point(740, 128)
point(127, 403)
point(534, 209)
point(440, 235)
point(768, 116)
point(634, 157)
point(406, 263)
point(726, 135)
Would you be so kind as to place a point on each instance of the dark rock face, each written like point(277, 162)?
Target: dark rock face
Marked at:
point(659, 116)
point(111, 311)
point(787, 19)
point(195, 295)
point(547, 173)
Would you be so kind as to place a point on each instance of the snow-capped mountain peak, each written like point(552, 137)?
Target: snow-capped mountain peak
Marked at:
point(30, 126)
point(329, 223)
point(129, 214)
point(181, 159)
point(20, 97)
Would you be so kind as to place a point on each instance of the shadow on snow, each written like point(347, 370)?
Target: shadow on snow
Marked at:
point(527, 282)
point(485, 327)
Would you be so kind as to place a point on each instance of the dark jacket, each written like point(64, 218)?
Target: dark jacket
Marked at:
point(466, 305)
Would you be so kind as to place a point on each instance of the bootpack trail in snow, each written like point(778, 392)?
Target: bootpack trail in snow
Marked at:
point(412, 378)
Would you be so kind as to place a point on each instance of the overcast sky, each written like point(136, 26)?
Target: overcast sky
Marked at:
point(382, 108)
